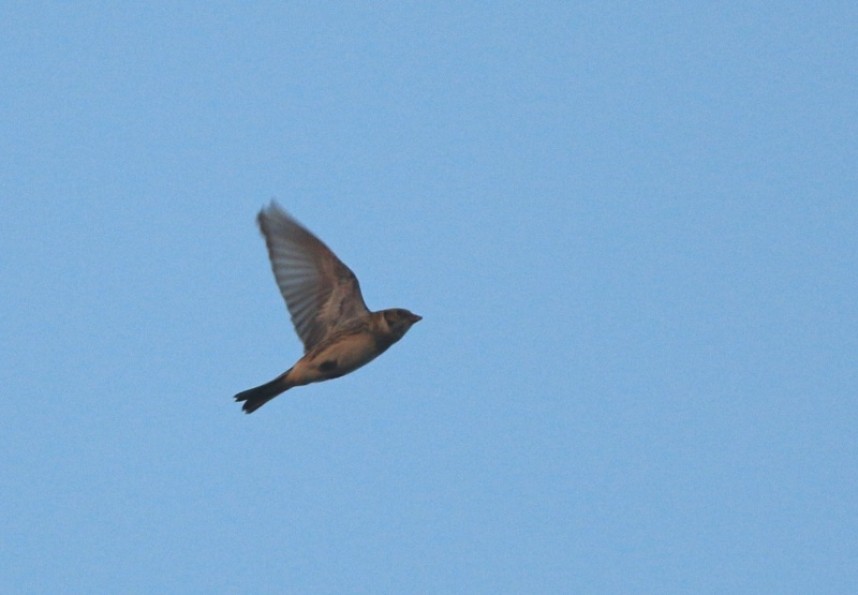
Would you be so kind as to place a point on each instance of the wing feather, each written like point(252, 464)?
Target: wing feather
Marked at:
point(321, 292)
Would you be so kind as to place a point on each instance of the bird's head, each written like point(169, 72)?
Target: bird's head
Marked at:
point(399, 320)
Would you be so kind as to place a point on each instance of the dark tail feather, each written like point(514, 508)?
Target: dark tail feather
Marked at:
point(255, 398)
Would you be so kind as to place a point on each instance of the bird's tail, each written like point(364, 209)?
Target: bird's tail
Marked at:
point(255, 398)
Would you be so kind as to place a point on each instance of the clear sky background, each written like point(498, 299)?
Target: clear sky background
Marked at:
point(632, 231)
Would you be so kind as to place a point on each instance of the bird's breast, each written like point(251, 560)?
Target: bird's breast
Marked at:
point(342, 355)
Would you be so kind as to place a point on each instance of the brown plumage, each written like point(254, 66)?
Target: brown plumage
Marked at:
point(323, 296)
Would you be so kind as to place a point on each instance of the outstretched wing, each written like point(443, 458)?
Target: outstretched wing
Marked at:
point(320, 291)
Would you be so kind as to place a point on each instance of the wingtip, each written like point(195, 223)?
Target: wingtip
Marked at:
point(272, 207)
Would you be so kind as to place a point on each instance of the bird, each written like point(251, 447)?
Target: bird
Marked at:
point(340, 334)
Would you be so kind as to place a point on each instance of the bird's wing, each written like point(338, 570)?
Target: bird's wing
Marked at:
point(320, 291)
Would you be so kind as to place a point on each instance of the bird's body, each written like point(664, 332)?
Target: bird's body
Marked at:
point(339, 333)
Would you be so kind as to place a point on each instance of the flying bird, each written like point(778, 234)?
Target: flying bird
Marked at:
point(323, 296)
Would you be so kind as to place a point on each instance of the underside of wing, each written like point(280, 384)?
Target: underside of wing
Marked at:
point(320, 291)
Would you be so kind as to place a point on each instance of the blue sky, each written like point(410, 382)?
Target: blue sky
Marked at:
point(632, 231)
